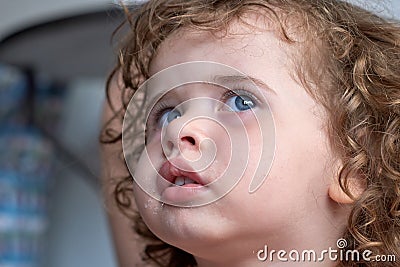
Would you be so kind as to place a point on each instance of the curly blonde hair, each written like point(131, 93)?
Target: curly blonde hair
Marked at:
point(350, 63)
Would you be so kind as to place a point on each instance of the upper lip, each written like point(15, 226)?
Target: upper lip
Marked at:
point(169, 171)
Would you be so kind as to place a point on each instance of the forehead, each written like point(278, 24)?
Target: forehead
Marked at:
point(252, 47)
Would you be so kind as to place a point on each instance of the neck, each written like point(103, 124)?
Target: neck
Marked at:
point(302, 251)
point(255, 262)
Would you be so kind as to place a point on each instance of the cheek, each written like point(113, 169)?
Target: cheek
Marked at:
point(298, 177)
point(259, 146)
point(140, 197)
point(143, 169)
point(153, 145)
point(260, 129)
point(299, 172)
point(149, 209)
point(145, 174)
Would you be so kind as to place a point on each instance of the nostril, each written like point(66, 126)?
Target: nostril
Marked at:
point(189, 139)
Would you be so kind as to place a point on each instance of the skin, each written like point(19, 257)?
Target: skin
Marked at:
point(293, 209)
point(300, 205)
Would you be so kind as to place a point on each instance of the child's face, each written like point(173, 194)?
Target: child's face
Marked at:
point(292, 207)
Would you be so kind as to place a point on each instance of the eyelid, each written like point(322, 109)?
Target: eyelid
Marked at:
point(236, 89)
point(239, 92)
point(158, 110)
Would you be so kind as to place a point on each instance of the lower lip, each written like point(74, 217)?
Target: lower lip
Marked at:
point(183, 195)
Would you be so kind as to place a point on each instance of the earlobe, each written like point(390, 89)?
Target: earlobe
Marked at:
point(336, 193)
point(356, 188)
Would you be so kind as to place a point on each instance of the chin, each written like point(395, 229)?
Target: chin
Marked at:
point(187, 228)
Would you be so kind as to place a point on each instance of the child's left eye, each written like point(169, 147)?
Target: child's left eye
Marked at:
point(239, 103)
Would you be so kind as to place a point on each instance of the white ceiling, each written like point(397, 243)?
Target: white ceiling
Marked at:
point(16, 14)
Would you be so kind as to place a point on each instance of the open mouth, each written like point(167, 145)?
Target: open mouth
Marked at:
point(179, 177)
point(180, 185)
point(184, 181)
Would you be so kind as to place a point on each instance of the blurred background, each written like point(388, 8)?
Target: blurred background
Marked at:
point(54, 59)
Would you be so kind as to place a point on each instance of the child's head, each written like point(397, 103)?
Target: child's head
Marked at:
point(327, 72)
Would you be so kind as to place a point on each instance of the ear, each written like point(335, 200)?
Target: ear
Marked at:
point(356, 187)
point(336, 193)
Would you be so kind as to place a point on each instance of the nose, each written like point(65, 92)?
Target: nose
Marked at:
point(184, 136)
point(188, 140)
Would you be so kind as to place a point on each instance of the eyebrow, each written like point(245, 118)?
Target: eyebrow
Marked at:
point(243, 79)
point(226, 80)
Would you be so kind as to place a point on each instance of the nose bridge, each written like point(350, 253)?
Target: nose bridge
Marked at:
point(189, 130)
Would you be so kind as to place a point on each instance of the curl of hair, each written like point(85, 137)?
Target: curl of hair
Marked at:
point(350, 63)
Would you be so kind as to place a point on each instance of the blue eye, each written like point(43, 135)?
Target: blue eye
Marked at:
point(168, 116)
point(239, 103)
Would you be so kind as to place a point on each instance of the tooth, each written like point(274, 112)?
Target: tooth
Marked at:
point(180, 181)
point(189, 181)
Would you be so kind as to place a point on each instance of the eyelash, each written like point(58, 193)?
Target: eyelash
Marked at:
point(160, 108)
point(238, 92)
